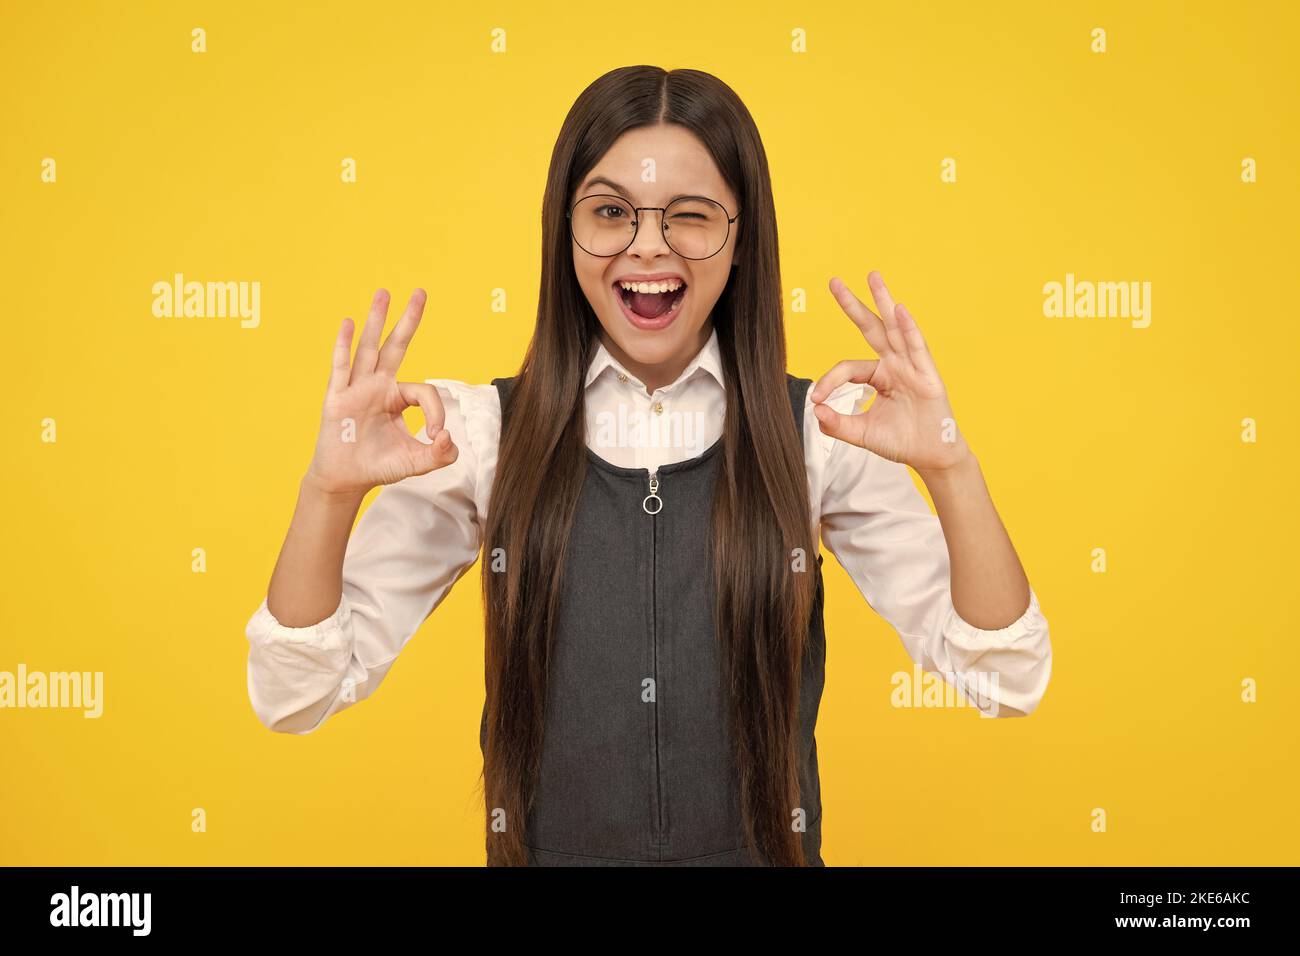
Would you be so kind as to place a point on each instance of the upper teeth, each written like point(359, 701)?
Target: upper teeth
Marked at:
point(663, 285)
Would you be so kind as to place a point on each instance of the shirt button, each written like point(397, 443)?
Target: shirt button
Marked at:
point(622, 376)
point(659, 408)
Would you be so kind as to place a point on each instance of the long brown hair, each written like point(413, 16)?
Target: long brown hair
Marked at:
point(760, 509)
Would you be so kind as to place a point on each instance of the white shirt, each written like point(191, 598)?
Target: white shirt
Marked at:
point(421, 534)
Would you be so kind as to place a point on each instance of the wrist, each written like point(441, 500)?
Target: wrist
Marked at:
point(963, 467)
point(323, 492)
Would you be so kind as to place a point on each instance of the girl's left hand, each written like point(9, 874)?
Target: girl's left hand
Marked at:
point(910, 421)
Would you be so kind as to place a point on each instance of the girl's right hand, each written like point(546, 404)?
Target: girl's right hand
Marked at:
point(363, 440)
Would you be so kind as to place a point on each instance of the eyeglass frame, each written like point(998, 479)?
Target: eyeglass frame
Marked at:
point(636, 226)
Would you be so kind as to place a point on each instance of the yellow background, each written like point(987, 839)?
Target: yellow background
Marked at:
point(182, 433)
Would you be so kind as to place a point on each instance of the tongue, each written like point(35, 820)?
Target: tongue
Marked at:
point(650, 305)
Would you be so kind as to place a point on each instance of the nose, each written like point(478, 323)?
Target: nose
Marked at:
point(649, 239)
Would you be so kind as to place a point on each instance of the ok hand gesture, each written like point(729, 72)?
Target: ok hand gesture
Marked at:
point(910, 420)
point(363, 441)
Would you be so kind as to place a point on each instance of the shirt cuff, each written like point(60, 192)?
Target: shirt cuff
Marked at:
point(330, 634)
point(969, 637)
point(1006, 669)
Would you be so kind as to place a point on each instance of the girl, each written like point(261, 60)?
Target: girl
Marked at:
point(647, 491)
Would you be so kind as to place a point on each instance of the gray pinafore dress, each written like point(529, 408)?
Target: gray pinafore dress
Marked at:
point(636, 767)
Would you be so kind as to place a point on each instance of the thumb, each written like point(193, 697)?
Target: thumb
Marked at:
point(438, 452)
point(844, 427)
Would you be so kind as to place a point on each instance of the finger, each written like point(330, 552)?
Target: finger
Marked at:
point(390, 356)
point(885, 305)
point(368, 347)
point(426, 396)
point(850, 370)
point(440, 450)
point(342, 354)
point(862, 317)
point(917, 350)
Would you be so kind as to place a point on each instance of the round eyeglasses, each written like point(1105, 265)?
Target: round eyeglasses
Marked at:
point(694, 227)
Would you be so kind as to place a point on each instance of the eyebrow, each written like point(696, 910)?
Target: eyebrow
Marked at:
point(602, 181)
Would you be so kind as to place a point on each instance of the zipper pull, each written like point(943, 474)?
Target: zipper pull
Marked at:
point(654, 494)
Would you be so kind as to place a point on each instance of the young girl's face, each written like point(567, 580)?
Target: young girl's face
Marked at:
point(654, 347)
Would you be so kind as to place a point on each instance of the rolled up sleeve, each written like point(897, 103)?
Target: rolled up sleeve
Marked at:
point(416, 540)
point(881, 529)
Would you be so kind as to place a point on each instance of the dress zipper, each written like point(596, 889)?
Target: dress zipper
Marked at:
point(652, 505)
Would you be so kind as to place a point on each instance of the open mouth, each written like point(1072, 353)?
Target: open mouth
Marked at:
point(651, 310)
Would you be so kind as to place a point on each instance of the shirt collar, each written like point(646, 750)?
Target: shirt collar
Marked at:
point(708, 358)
